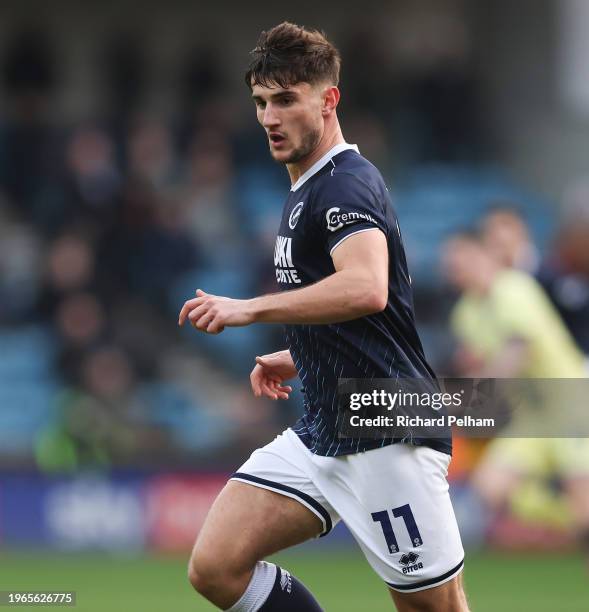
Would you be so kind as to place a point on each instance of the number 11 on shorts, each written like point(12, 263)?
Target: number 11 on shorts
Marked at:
point(405, 513)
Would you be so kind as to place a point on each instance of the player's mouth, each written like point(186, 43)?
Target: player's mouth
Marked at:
point(276, 139)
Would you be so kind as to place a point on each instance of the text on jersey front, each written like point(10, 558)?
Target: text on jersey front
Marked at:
point(285, 270)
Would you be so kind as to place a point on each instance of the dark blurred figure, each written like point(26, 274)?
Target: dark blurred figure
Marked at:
point(101, 421)
point(151, 158)
point(200, 87)
point(81, 323)
point(94, 176)
point(207, 196)
point(438, 114)
point(125, 75)
point(20, 268)
point(70, 299)
point(70, 264)
point(367, 73)
point(564, 274)
point(148, 246)
point(88, 191)
point(27, 141)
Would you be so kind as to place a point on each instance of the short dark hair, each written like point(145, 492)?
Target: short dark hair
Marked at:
point(289, 54)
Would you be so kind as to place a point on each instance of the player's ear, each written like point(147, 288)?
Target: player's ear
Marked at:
point(331, 96)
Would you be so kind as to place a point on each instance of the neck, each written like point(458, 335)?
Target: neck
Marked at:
point(327, 142)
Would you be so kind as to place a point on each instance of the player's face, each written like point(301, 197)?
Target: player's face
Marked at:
point(462, 262)
point(504, 237)
point(292, 118)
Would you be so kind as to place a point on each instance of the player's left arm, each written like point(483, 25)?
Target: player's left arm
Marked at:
point(358, 287)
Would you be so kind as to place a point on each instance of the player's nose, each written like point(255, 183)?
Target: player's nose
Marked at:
point(270, 118)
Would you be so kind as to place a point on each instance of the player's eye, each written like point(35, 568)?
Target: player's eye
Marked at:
point(286, 101)
point(260, 104)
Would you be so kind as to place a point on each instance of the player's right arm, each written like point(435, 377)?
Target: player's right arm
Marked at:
point(270, 372)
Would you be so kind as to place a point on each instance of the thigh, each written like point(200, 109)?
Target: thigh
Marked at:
point(270, 503)
point(246, 524)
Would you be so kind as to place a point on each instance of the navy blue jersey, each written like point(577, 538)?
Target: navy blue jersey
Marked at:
point(341, 195)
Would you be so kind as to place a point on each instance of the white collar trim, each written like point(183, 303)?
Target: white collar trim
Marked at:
point(344, 146)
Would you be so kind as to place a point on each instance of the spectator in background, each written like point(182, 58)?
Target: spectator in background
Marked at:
point(87, 189)
point(151, 157)
point(20, 268)
point(506, 237)
point(93, 176)
point(28, 141)
point(503, 319)
point(207, 197)
point(148, 246)
point(70, 267)
point(565, 273)
point(507, 328)
point(100, 419)
point(566, 279)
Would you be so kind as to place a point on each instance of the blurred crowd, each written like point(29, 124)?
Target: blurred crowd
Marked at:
point(108, 224)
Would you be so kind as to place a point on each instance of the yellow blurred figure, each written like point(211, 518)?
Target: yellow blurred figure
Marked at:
point(508, 328)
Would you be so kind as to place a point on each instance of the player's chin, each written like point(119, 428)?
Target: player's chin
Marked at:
point(281, 154)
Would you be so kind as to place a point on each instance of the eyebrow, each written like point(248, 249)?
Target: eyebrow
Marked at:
point(276, 96)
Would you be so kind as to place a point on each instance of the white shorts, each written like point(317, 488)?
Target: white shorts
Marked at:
point(394, 500)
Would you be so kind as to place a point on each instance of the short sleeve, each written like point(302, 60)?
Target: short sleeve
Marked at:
point(344, 205)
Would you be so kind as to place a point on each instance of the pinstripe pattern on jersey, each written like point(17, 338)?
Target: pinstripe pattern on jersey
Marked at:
point(383, 345)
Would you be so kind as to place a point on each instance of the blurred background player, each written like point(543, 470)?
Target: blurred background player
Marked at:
point(506, 327)
point(563, 272)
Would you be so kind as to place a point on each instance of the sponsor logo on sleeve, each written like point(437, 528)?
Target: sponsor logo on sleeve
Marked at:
point(336, 219)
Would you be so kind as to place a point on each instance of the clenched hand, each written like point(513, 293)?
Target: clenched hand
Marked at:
point(212, 313)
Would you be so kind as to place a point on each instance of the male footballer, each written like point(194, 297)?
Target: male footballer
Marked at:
point(346, 304)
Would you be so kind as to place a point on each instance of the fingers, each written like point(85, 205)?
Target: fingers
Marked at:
point(277, 391)
point(255, 380)
point(274, 391)
point(263, 385)
point(190, 305)
point(268, 392)
point(198, 314)
point(201, 313)
point(260, 384)
point(203, 321)
point(215, 326)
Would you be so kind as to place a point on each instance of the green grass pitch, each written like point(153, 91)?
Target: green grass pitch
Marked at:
point(340, 579)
